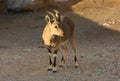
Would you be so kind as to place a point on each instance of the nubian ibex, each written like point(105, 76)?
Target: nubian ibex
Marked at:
point(55, 35)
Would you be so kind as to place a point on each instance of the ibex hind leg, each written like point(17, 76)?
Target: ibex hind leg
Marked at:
point(63, 60)
point(72, 43)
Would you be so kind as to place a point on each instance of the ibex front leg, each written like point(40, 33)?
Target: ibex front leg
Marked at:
point(54, 60)
point(50, 60)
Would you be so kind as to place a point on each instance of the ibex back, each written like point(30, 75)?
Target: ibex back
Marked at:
point(57, 32)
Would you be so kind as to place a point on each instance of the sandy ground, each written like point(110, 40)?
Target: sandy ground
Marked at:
point(97, 37)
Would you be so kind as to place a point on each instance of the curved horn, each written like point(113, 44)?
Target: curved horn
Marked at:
point(54, 18)
point(57, 14)
point(55, 11)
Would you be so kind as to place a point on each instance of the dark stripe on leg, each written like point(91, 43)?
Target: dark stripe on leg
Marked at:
point(62, 62)
point(75, 59)
point(62, 58)
point(55, 58)
point(76, 62)
point(50, 60)
point(55, 55)
point(55, 51)
point(49, 51)
point(54, 64)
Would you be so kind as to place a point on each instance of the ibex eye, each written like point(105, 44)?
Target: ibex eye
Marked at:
point(55, 26)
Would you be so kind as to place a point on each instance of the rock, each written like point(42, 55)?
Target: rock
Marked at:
point(113, 22)
point(81, 13)
point(106, 24)
point(27, 50)
point(24, 4)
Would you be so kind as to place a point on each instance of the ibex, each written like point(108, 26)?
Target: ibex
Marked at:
point(55, 35)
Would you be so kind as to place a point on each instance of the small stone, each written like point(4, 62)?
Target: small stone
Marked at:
point(27, 50)
point(106, 24)
point(82, 57)
point(113, 22)
point(81, 13)
point(109, 22)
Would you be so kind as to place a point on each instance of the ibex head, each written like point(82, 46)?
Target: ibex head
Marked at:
point(54, 25)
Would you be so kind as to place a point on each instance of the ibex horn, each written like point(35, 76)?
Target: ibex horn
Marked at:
point(57, 14)
point(55, 11)
point(54, 18)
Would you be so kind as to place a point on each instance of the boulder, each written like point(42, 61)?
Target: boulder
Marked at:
point(24, 4)
point(3, 6)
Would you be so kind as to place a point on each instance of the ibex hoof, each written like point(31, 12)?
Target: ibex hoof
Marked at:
point(76, 64)
point(54, 69)
point(61, 64)
point(50, 68)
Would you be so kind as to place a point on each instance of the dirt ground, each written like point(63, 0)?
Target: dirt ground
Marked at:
point(97, 37)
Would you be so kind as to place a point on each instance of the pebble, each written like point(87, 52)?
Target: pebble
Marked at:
point(113, 22)
point(106, 24)
point(81, 13)
point(27, 50)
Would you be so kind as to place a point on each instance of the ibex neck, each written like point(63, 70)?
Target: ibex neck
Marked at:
point(53, 38)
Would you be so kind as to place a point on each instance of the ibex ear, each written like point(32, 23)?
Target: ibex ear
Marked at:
point(47, 19)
